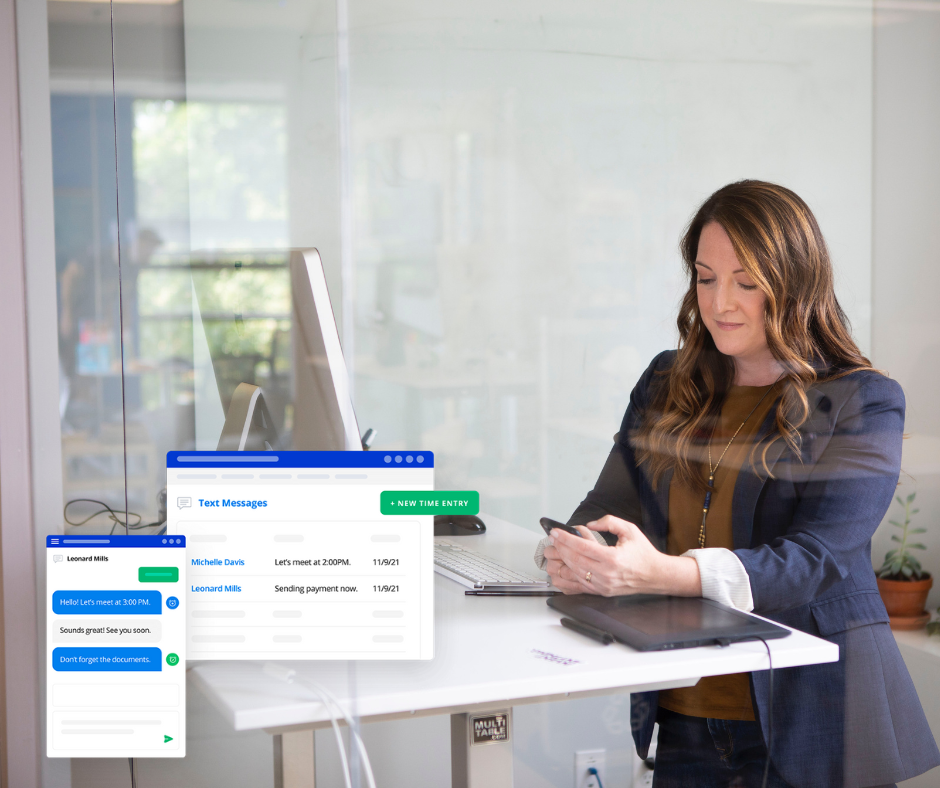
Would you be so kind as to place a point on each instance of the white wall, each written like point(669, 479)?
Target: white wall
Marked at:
point(524, 171)
point(906, 277)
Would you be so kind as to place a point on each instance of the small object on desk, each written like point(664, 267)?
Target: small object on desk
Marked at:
point(586, 629)
point(458, 525)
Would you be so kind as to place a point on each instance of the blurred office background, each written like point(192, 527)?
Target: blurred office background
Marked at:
point(497, 191)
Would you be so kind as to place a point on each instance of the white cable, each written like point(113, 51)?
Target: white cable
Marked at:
point(328, 699)
point(288, 675)
point(360, 745)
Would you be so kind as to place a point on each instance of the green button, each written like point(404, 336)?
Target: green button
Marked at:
point(430, 502)
point(172, 659)
point(158, 574)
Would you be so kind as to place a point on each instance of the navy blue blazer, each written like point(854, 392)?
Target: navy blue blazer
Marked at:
point(804, 537)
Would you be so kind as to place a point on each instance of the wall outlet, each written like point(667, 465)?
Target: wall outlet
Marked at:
point(587, 759)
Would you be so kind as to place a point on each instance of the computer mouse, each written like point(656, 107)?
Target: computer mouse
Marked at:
point(458, 525)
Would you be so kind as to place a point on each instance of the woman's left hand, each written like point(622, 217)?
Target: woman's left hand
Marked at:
point(633, 566)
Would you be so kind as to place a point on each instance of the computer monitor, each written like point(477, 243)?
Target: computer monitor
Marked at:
point(323, 415)
point(248, 423)
point(324, 418)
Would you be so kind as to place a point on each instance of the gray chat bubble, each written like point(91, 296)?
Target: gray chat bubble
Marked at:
point(184, 502)
point(94, 630)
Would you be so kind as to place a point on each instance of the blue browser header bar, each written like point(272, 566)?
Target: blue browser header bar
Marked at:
point(300, 459)
point(115, 540)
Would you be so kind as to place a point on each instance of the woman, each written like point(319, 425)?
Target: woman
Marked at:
point(752, 467)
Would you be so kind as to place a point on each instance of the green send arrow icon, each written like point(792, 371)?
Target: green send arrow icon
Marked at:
point(167, 738)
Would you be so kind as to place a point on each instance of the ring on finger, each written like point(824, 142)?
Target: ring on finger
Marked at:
point(588, 576)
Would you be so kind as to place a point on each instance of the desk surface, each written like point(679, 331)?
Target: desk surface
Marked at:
point(490, 652)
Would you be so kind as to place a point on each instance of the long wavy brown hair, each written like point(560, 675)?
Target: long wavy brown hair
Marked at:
point(778, 243)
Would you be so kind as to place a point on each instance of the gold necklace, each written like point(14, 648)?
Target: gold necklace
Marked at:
point(713, 469)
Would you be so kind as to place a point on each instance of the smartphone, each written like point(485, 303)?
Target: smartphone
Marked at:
point(548, 524)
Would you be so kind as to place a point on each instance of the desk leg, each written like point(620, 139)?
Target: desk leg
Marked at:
point(483, 760)
point(295, 760)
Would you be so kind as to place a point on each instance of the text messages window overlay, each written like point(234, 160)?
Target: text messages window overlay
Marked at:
point(290, 556)
point(116, 646)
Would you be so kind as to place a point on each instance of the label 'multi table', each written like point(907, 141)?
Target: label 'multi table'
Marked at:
point(491, 653)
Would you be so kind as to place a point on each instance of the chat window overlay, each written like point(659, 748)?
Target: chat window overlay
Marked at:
point(291, 557)
point(116, 646)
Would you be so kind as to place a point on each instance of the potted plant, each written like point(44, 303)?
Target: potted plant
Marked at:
point(902, 582)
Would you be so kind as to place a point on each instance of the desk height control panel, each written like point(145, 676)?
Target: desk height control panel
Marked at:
point(291, 556)
point(116, 646)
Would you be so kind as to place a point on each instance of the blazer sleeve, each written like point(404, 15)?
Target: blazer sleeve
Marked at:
point(842, 501)
point(616, 489)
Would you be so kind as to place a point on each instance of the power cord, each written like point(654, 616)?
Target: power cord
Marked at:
point(770, 713)
point(332, 705)
point(114, 517)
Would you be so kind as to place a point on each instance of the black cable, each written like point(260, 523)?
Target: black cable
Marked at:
point(112, 515)
point(770, 713)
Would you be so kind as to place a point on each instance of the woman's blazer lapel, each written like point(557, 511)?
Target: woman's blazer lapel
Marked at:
point(660, 520)
point(748, 487)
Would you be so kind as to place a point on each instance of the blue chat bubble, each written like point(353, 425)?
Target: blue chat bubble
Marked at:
point(65, 603)
point(106, 658)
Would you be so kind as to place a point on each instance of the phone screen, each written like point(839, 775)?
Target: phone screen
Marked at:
point(548, 524)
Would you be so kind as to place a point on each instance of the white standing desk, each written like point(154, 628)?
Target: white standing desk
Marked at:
point(491, 653)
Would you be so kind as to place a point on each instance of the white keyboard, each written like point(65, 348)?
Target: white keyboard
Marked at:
point(477, 571)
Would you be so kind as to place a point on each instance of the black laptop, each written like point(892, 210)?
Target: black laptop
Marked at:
point(654, 623)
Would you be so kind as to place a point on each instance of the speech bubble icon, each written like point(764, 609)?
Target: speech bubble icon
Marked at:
point(182, 503)
point(56, 559)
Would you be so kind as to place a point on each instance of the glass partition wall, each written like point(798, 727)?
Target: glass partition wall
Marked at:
point(497, 194)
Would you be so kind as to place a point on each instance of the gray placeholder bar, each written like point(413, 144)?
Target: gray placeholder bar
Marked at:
point(388, 638)
point(388, 614)
point(287, 638)
point(96, 732)
point(386, 538)
point(218, 614)
point(112, 722)
point(288, 538)
point(287, 614)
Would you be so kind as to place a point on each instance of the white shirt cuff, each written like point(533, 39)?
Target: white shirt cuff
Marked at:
point(539, 556)
point(724, 578)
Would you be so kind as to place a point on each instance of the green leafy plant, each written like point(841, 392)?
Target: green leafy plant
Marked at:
point(933, 627)
point(900, 563)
